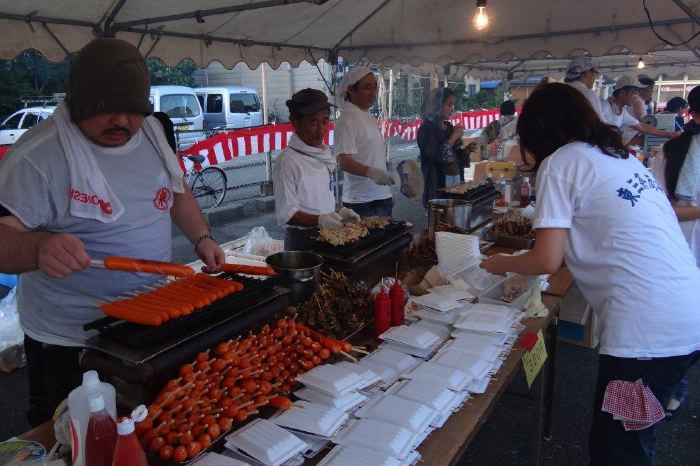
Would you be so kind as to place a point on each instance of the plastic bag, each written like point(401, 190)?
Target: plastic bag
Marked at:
point(261, 244)
point(11, 335)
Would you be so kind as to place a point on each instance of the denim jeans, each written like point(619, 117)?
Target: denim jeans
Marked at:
point(681, 391)
point(381, 207)
point(53, 372)
point(608, 443)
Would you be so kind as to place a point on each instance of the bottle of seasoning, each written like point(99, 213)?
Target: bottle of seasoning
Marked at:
point(525, 192)
point(382, 312)
point(501, 188)
point(397, 303)
point(101, 437)
point(128, 451)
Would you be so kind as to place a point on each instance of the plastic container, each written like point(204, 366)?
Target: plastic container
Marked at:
point(79, 411)
point(343, 403)
point(380, 436)
point(101, 436)
point(397, 303)
point(525, 192)
point(266, 442)
point(310, 417)
point(403, 412)
point(333, 380)
point(128, 451)
point(382, 312)
point(352, 455)
point(501, 186)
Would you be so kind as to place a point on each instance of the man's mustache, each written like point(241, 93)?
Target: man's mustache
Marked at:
point(117, 129)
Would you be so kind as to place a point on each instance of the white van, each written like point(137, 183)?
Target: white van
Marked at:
point(230, 107)
point(181, 105)
point(16, 124)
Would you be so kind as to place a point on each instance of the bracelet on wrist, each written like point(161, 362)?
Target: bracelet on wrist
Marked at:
point(202, 238)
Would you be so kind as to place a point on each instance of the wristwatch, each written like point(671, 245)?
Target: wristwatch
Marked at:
point(201, 238)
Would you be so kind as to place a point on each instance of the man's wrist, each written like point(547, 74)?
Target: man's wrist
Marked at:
point(202, 238)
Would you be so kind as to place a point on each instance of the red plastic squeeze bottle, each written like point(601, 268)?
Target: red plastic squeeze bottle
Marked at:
point(397, 303)
point(128, 451)
point(101, 437)
point(382, 312)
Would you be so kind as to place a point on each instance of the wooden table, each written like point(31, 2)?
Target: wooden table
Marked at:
point(446, 445)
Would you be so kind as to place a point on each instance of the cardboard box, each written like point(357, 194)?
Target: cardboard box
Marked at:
point(494, 169)
point(577, 319)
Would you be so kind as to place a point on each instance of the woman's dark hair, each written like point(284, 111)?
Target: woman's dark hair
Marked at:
point(432, 104)
point(557, 114)
point(675, 151)
point(168, 128)
point(508, 108)
point(675, 104)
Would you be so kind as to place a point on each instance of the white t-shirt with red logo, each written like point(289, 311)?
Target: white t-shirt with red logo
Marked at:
point(36, 189)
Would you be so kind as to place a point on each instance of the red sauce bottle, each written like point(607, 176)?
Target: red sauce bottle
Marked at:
point(382, 312)
point(397, 303)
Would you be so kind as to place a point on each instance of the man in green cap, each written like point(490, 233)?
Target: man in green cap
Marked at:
point(96, 179)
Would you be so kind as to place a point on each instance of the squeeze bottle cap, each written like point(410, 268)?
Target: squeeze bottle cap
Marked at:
point(125, 426)
point(97, 403)
point(526, 178)
point(90, 378)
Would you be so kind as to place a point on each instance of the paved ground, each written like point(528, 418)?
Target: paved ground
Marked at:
point(501, 440)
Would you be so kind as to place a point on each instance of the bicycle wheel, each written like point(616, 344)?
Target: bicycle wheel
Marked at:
point(209, 187)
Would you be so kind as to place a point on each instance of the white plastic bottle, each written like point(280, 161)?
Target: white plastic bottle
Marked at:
point(79, 411)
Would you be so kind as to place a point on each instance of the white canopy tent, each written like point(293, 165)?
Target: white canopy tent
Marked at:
point(387, 32)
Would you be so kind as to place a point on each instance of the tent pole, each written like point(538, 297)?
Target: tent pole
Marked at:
point(263, 75)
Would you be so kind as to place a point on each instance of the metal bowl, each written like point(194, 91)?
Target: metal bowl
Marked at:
point(297, 270)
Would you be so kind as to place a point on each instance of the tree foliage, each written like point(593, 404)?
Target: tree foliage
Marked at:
point(182, 74)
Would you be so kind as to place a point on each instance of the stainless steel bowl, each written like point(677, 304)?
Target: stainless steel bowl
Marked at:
point(297, 270)
point(448, 212)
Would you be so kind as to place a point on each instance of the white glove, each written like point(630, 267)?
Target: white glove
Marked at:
point(348, 214)
point(331, 220)
point(379, 176)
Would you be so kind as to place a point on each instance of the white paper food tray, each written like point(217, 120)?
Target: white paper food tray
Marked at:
point(437, 301)
point(493, 294)
point(267, 442)
point(440, 330)
point(311, 417)
point(410, 414)
point(440, 375)
point(442, 318)
point(484, 322)
point(489, 352)
point(420, 353)
point(468, 363)
point(438, 398)
point(474, 279)
point(331, 379)
point(353, 455)
point(344, 402)
point(368, 375)
point(411, 336)
point(387, 374)
point(378, 435)
point(452, 292)
point(393, 359)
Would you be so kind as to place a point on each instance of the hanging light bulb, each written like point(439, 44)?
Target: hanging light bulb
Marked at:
point(481, 20)
point(640, 64)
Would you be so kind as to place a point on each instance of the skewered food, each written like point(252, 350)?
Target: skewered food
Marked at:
point(463, 188)
point(248, 269)
point(338, 307)
point(129, 264)
point(375, 222)
point(512, 223)
point(342, 236)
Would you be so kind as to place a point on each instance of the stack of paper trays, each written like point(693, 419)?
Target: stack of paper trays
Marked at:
point(488, 318)
point(477, 346)
point(443, 318)
point(342, 402)
point(452, 292)
point(468, 363)
point(412, 340)
point(395, 359)
point(440, 375)
point(438, 329)
point(403, 412)
point(352, 455)
point(437, 301)
point(216, 459)
point(310, 417)
point(378, 435)
point(368, 375)
point(440, 399)
point(504, 340)
point(388, 375)
point(266, 442)
point(332, 379)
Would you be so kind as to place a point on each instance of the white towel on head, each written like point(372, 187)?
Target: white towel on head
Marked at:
point(351, 77)
point(86, 178)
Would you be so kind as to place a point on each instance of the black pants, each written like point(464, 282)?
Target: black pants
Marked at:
point(296, 239)
point(53, 373)
point(380, 207)
point(609, 444)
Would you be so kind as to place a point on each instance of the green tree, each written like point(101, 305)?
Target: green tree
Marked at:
point(182, 74)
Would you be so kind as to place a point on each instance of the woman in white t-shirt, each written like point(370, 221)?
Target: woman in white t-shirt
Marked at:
point(605, 214)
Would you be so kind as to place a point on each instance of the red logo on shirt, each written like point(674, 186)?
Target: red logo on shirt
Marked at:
point(162, 197)
point(85, 198)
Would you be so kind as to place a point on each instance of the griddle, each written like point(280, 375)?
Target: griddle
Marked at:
point(472, 194)
point(136, 344)
point(374, 237)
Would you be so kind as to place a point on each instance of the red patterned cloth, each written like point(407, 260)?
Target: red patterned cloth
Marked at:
point(632, 403)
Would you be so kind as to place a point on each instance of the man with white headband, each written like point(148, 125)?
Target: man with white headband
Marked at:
point(360, 146)
point(581, 74)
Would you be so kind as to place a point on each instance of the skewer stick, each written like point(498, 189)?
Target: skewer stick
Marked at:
point(360, 350)
point(348, 356)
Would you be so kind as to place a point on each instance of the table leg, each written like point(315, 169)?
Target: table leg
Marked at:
point(552, 344)
point(538, 390)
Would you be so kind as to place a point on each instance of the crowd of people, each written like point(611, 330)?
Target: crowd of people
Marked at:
point(66, 201)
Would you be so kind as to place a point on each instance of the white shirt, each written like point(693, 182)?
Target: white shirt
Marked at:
point(357, 134)
point(302, 183)
point(616, 117)
point(690, 228)
point(625, 249)
point(590, 95)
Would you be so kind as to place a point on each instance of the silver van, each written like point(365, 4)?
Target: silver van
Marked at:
point(182, 106)
point(230, 107)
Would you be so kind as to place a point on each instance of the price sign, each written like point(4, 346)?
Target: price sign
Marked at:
point(534, 359)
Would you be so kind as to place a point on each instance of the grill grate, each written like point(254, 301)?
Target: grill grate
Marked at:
point(141, 336)
point(374, 237)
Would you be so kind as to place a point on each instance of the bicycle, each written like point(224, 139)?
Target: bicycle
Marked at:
point(208, 185)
